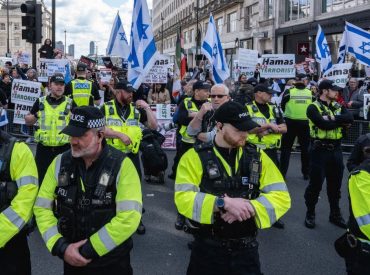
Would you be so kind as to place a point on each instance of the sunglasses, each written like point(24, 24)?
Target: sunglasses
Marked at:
point(218, 96)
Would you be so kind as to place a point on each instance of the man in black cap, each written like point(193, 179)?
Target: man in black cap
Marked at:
point(227, 190)
point(90, 202)
point(83, 91)
point(272, 126)
point(122, 119)
point(188, 109)
point(52, 114)
point(360, 151)
point(294, 104)
point(327, 118)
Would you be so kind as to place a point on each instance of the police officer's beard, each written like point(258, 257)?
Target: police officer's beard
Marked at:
point(88, 151)
point(234, 141)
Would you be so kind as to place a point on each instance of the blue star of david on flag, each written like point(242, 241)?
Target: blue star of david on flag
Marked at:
point(212, 49)
point(143, 52)
point(323, 55)
point(358, 43)
point(118, 45)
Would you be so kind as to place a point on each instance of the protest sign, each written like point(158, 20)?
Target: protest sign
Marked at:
point(105, 75)
point(20, 111)
point(247, 58)
point(158, 73)
point(24, 58)
point(366, 105)
point(164, 114)
point(278, 66)
point(25, 92)
point(48, 67)
point(90, 63)
point(339, 74)
point(4, 59)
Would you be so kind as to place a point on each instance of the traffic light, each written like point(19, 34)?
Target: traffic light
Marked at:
point(32, 21)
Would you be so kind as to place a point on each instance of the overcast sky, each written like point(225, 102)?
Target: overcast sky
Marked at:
point(90, 20)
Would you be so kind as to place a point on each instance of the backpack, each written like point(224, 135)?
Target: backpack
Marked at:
point(153, 157)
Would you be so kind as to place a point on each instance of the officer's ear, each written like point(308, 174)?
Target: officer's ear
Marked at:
point(100, 135)
point(219, 125)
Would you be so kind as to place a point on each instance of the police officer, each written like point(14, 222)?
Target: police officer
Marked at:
point(356, 241)
point(294, 104)
point(89, 204)
point(18, 190)
point(272, 126)
point(326, 119)
point(122, 119)
point(228, 191)
point(83, 91)
point(188, 109)
point(52, 114)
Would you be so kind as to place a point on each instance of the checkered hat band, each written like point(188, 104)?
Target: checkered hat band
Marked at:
point(96, 123)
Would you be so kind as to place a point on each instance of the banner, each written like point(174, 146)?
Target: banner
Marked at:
point(105, 75)
point(24, 58)
point(90, 63)
point(339, 74)
point(366, 105)
point(20, 111)
point(48, 67)
point(247, 58)
point(25, 92)
point(158, 73)
point(164, 114)
point(277, 66)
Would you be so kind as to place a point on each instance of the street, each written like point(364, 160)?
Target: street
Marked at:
point(163, 249)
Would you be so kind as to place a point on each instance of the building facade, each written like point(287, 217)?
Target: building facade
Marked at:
point(268, 26)
point(71, 50)
point(16, 43)
point(92, 48)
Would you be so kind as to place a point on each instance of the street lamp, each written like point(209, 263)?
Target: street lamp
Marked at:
point(198, 35)
point(236, 45)
point(162, 33)
point(65, 43)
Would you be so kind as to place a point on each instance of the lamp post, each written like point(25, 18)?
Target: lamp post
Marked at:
point(198, 36)
point(65, 43)
point(162, 33)
point(8, 34)
point(236, 45)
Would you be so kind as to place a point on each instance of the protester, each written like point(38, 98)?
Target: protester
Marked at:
point(46, 50)
point(158, 94)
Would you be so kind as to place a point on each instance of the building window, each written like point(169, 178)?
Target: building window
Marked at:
point(335, 5)
point(231, 22)
point(297, 9)
point(247, 44)
point(191, 36)
point(2, 41)
point(219, 24)
point(186, 37)
point(17, 41)
point(16, 27)
point(268, 9)
point(247, 17)
point(205, 28)
point(2, 26)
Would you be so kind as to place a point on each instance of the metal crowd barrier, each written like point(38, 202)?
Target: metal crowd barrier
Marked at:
point(359, 127)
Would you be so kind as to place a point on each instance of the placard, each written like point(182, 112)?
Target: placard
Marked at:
point(247, 58)
point(48, 67)
point(339, 74)
point(25, 92)
point(20, 111)
point(158, 73)
point(278, 66)
point(366, 105)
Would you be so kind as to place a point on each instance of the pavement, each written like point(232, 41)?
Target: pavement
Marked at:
point(163, 249)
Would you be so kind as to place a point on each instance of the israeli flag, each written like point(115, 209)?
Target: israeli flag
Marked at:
point(323, 55)
point(358, 43)
point(342, 48)
point(143, 52)
point(118, 45)
point(212, 49)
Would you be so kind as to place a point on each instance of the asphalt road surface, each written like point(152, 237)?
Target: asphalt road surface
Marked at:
point(163, 249)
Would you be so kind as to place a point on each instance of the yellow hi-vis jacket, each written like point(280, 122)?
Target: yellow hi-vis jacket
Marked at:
point(190, 106)
point(129, 127)
point(272, 203)
point(52, 120)
point(128, 209)
point(81, 92)
point(296, 107)
point(359, 192)
point(23, 171)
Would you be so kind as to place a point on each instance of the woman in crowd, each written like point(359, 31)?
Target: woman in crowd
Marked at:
point(158, 94)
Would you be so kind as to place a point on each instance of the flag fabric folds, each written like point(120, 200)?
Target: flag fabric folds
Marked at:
point(358, 43)
point(212, 49)
point(323, 55)
point(342, 48)
point(118, 45)
point(143, 51)
point(180, 66)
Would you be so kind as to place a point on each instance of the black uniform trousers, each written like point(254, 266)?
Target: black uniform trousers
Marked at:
point(325, 163)
point(121, 267)
point(15, 256)
point(300, 129)
point(208, 259)
point(136, 161)
point(45, 155)
point(184, 146)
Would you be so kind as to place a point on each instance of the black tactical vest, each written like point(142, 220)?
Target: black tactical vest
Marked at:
point(244, 184)
point(81, 212)
point(8, 188)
